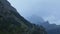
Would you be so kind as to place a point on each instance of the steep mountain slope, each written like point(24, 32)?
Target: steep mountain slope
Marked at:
point(11, 22)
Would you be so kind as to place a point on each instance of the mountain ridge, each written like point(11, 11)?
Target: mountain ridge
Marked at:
point(11, 22)
point(50, 28)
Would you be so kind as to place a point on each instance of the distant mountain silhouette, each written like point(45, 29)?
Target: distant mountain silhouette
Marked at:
point(54, 31)
point(50, 28)
point(36, 19)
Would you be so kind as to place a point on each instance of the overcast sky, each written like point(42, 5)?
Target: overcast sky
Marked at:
point(47, 9)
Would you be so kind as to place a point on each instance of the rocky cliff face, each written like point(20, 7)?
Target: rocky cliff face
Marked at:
point(11, 22)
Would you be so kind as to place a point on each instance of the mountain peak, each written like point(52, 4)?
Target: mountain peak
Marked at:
point(36, 19)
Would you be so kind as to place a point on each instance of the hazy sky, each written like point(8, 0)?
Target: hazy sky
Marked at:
point(47, 9)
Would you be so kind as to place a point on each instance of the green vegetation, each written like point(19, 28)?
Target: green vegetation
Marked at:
point(14, 27)
point(13, 23)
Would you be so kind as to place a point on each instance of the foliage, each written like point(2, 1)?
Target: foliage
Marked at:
point(13, 23)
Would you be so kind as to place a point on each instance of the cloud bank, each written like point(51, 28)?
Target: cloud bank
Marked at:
point(47, 9)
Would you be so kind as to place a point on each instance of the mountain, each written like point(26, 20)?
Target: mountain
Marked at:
point(11, 22)
point(50, 28)
point(54, 31)
point(36, 19)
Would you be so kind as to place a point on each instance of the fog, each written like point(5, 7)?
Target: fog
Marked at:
point(47, 9)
